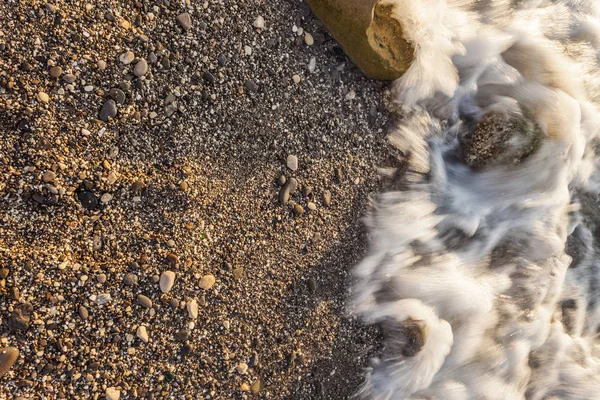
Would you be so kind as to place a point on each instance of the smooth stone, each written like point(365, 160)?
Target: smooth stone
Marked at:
point(298, 209)
point(287, 189)
point(55, 71)
point(117, 95)
point(69, 78)
point(141, 68)
point(83, 313)
point(207, 281)
point(311, 206)
point(257, 386)
point(127, 57)
point(308, 39)
point(144, 301)
point(292, 162)
point(209, 77)
point(222, 60)
point(108, 110)
point(192, 309)
point(43, 97)
point(8, 356)
point(251, 85)
point(132, 279)
point(167, 280)
point(88, 200)
point(182, 335)
point(48, 176)
point(185, 21)
point(142, 333)
point(327, 198)
point(259, 22)
point(112, 393)
point(242, 368)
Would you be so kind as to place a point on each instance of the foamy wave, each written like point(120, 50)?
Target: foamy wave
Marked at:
point(468, 275)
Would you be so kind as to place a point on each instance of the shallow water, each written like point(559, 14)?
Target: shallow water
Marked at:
point(469, 273)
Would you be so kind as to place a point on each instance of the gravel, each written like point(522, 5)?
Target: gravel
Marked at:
point(102, 182)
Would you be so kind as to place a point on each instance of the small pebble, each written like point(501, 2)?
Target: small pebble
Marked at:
point(101, 65)
point(127, 57)
point(242, 368)
point(311, 206)
point(48, 176)
point(55, 71)
point(296, 78)
point(69, 78)
point(108, 110)
point(259, 22)
point(207, 281)
point(308, 39)
point(289, 188)
point(112, 393)
point(298, 209)
point(8, 356)
point(292, 162)
point(132, 279)
point(83, 313)
point(43, 97)
point(251, 86)
point(185, 21)
point(141, 68)
point(142, 333)
point(327, 198)
point(192, 309)
point(167, 279)
point(106, 198)
point(144, 301)
point(257, 386)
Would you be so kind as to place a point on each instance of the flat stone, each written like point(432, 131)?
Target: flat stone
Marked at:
point(257, 386)
point(108, 110)
point(185, 21)
point(292, 162)
point(69, 78)
point(242, 368)
point(207, 281)
point(112, 393)
point(117, 95)
point(144, 301)
point(142, 333)
point(88, 200)
point(141, 68)
point(182, 335)
point(192, 309)
point(127, 57)
point(55, 71)
point(167, 280)
point(8, 356)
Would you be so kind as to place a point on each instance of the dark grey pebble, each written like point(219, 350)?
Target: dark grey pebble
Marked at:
point(209, 77)
point(281, 181)
point(88, 200)
point(24, 125)
point(108, 110)
point(251, 85)
point(222, 60)
point(117, 95)
point(187, 349)
point(165, 63)
point(182, 335)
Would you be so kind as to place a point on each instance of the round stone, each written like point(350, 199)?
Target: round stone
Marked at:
point(298, 209)
point(83, 313)
point(69, 78)
point(142, 333)
point(112, 393)
point(117, 95)
point(48, 176)
point(167, 280)
point(207, 281)
point(192, 309)
point(43, 97)
point(127, 57)
point(8, 356)
point(141, 68)
point(108, 110)
point(292, 162)
point(185, 21)
point(55, 71)
point(308, 39)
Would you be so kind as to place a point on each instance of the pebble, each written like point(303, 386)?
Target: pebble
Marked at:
point(112, 393)
point(69, 78)
point(131, 279)
point(185, 21)
point(108, 110)
point(287, 189)
point(308, 39)
point(88, 200)
point(187, 349)
point(222, 60)
point(127, 57)
point(141, 68)
point(112, 177)
point(281, 180)
point(192, 309)
point(292, 162)
point(101, 65)
point(55, 71)
point(312, 65)
point(142, 333)
point(209, 77)
point(311, 206)
point(48, 176)
point(257, 386)
point(237, 273)
point(242, 368)
point(83, 313)
point(144, 301)
point(259, 22)
point(251, 85)
point(8, 356)
point(101, 278)
point(103, 298)
point(106, 197)
point(207, 281)
point(167, 279)
point(296, 78)
point(182, 335)
point(298, 209)
point(43, 97)
point(327, 198)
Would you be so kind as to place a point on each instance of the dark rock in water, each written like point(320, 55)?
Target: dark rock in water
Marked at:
point(88, 200)
point(406, 338)
point(8, 356)
point(501, 138)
